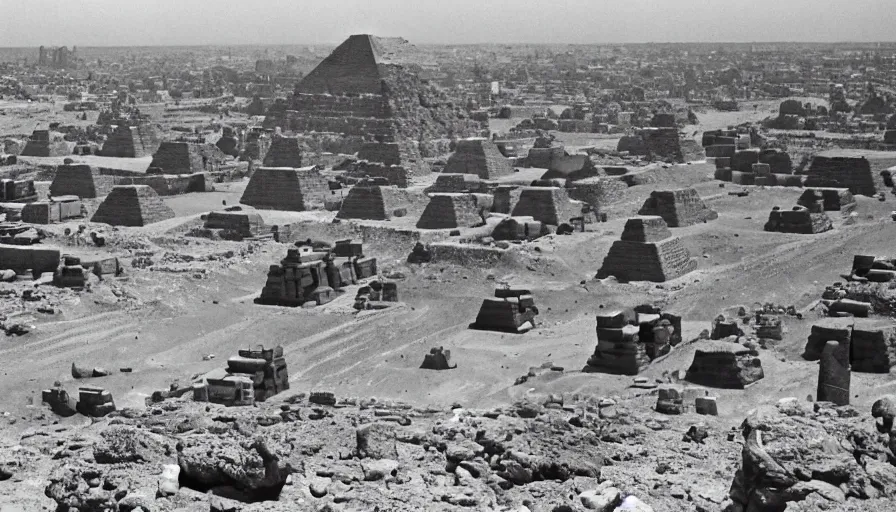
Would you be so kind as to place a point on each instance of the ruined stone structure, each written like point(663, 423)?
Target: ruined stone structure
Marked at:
point(647, 251)
point(511, 310)
point(283, 152)
point(132, 141)
point(17, 191)
point(368, 89)
point(550, 205)
point(724, 364)
point(520, 228)
point(286, 188)
point(679, 208)
point(80, 180)
point(132, 205)
point(47, 143)
point(94, 401)
point(185, 158)
point(480, 157)
point(402, 157)
point(450, 211)
point(307, 275)
point(236, 223)
point(832, 199)
point(437, 359)
point(253, 375)
point(628, 340)
point(834, 373)
point(61, 208)
point(799, 220)
point(871, 342)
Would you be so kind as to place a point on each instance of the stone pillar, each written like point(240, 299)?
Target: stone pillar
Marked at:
point(834, 373)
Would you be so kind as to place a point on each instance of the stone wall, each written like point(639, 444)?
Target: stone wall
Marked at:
point(679, 208)
point(286, 188)
point(132, 205)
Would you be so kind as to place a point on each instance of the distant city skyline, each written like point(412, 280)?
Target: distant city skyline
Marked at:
point(285, 22)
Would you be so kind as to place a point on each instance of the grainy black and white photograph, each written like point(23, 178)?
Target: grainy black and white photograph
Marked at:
point(450, 256)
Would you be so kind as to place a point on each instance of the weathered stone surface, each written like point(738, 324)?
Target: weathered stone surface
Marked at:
point(480, 157)
point(679, 208)
point(450, 211)
point(132, 205)
point(834, 373)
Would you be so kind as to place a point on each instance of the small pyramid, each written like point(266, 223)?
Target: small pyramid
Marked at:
point(679, 208)
point(550, 205)
point(179, 158)
point(246, 224)
point(131, 141)
point(47, 143)
point(80, 180)
point(286, 188)
point(850, 172)
point(480, 157)
point(371, 202)
point(132, 205)
point(647, 251)
point(450, 211)
point(405, 154)
point(284, 152)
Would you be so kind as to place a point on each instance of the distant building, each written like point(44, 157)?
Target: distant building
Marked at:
point(59, 58)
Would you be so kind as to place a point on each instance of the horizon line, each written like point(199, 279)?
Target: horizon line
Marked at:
point(481, 43)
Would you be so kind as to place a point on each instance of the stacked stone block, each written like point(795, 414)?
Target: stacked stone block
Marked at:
point(618, 350)
point(80, 180)
point(511, 310)
point(286, 188)
point(132, 205)
point(872, 347)
point(305, 275)
point(679, 208)
point(647, 251)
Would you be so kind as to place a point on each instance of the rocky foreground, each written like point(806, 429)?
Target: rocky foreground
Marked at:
point(544, 454)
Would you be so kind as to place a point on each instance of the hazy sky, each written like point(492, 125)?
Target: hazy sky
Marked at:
point(188, 22)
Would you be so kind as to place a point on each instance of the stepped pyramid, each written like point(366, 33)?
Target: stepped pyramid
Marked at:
point(550, 205)
point(647, 251)
point(47, 143)
point(368, 89)
point(179, 158)
point(286, 188)
point(283, 152)
point(450, 211)
point(80, 180)
point(480, 157)
point(132, 205)
point(131, 141)
point(679, 208)
point(371, 202)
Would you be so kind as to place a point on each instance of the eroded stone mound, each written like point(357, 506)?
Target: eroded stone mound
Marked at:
point(286, 188)
point(724, 364)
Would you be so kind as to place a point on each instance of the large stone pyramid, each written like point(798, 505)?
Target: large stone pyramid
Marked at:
point(47, 143)
point(647, 251)
point(286, 188)
point(179, 158)
point(132, 141)
point(679, 208)
point(368, 88)
point(450, 211)
point(284, 152)
point(132, 205)
point(480, 157)
point(80, 180)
